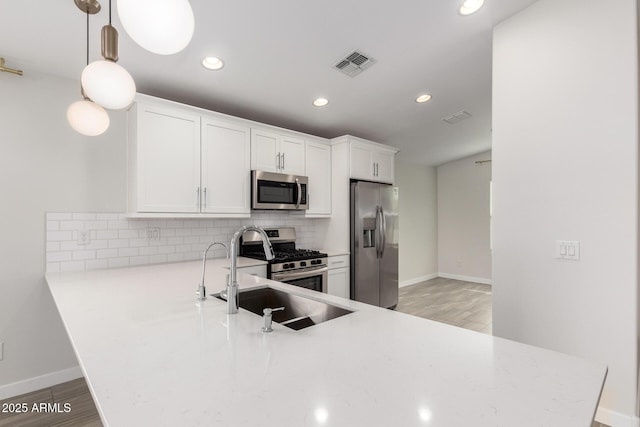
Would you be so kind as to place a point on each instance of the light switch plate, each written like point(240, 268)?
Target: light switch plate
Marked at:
point(568, 249)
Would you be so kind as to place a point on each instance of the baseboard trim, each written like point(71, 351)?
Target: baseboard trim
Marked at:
point(466, 278)
point(38, 383)
point(417, 280)
point(616, 419)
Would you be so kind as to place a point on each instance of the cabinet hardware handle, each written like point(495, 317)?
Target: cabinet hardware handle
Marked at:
point(337, 262)
point(198, 196)
point(282, 161)
point(278, 161)
point(205, 197)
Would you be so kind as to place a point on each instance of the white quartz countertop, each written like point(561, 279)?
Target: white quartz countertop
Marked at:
point(334, 252)
point(153, 356)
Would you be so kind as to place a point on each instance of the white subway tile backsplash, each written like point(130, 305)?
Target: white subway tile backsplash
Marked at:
point(107, 234)
point(59, 216)
point(57, 236)
point(118, 224)
point(96, 264)
point(128, 234)
point(82, 255)
point(107, 253)
point(59, 256)
point(148, 250)
point(140, 260)
point(106, 216)
point(71, 266)
point(158, 259)
point(84, 215)
point(118, 262)
point(128, 252)
point(117, 241)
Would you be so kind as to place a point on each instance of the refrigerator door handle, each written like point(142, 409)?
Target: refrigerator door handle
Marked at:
point(383, 232)
point(378, 232)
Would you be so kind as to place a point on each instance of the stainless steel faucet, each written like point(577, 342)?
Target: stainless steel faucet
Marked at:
point(202, 292)
point(232, 283)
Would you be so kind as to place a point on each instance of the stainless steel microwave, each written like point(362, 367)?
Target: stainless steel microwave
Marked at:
point(279, 191)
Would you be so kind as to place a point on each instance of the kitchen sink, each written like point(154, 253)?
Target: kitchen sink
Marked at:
point(299, 312)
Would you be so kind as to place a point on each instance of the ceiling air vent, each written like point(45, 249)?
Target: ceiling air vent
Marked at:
point(457, 117)
point(354, 63)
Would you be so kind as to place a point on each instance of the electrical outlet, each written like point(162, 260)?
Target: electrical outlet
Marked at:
point(153, 233)
point(84, 237)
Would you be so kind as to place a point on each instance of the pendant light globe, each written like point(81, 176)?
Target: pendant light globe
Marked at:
point(108, 84)
point(87, 118)
point(164, 27)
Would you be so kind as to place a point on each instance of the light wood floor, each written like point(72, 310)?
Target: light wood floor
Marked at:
point(82, 411)
point(457, 303)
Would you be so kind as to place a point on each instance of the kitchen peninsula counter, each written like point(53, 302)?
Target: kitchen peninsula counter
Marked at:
point(153, 355)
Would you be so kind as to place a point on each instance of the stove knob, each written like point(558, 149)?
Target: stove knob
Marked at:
point(303, 264)
point(288, 266)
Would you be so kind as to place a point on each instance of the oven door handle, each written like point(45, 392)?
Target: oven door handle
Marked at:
point(299, 193)
point(309, 272)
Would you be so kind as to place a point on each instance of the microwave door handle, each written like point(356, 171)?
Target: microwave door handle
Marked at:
point(299, 193)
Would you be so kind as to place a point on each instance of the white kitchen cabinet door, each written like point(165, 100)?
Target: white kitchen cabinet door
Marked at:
point(226, 167)
point(338, 285)
point(371, 162)
point(384, 166)
point(167, 149)
point(318, 169)
point(272, 152)
point(292, 156)
point(265, 151)
point(361, 162)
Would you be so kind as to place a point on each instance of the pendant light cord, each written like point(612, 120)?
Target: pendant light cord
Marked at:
point(109, 12)
point(87, 38)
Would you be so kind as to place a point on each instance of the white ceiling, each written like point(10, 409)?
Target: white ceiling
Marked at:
point(279, 56)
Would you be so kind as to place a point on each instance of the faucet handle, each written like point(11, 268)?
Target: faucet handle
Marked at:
point(267, 318)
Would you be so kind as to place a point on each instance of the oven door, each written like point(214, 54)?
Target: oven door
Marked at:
point(278, 191)
point(309, 278)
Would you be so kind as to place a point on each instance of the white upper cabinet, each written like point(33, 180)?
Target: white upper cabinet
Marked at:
point(225, 166)
point(273, 152)
point(318, 161)
point(183, 162)
point(164, 157)
point(371, 161)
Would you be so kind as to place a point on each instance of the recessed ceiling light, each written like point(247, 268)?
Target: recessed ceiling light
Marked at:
point(320, 102)
point(212, 63)
point(470, 6)
point(423, 98)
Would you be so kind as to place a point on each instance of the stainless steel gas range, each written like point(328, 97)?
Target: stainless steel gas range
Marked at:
point(300, 267)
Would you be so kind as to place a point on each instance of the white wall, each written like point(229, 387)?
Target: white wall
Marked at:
point(418, 222)
point(464, 250)
point(565, 166)
point(45, 166)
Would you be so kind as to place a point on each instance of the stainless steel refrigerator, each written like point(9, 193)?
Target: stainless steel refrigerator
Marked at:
point(374, 243)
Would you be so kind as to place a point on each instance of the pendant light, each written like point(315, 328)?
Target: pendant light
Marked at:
point(164, 27)
point(85, 116)
point(106, 82)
